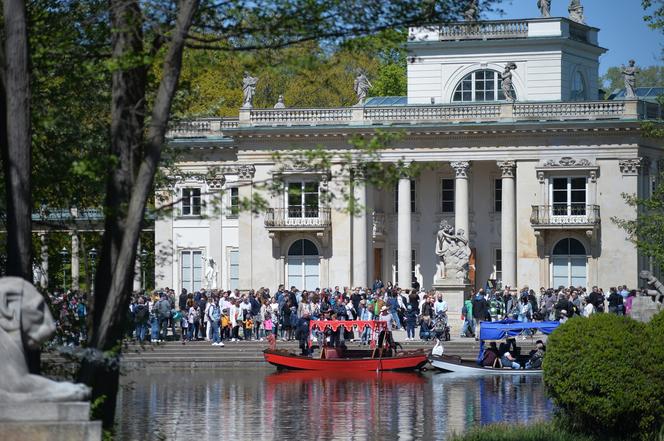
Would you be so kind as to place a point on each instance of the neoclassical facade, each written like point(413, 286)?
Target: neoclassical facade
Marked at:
point(534, 183)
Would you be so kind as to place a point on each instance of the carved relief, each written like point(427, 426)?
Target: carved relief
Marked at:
point(567, 161)
point(630, 166)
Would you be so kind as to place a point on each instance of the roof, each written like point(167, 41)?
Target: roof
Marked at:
point(644, 93)
point(378, 101)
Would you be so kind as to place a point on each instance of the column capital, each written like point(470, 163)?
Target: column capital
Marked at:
point(461, 168)
point(630, 166)
point(507, 168)
point(246, 171)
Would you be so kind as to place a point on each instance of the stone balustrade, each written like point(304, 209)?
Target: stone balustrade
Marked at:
point(411, 114)
point(293, 218)
point(484, 30)
point(557, 216)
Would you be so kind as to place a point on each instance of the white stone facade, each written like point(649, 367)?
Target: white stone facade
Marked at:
point(520, 178)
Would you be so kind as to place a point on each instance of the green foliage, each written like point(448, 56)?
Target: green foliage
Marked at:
point(652, 76)
point(599, 372)
point(535, 432)
point(655, 17)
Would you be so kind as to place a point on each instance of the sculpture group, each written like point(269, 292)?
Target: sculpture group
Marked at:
point(454, 253)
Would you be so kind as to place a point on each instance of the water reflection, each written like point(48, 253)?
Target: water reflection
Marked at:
point(263, 405)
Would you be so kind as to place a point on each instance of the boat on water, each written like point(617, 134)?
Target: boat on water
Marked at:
point(382, 354)
point(491, 331)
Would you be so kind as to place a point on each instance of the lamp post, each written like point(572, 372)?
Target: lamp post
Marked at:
point(64, 254)
point(144, 258)
point(93, 256)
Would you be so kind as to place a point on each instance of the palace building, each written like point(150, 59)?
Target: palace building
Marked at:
point(534, 183)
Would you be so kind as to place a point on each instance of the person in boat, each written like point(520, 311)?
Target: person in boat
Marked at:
point(536, 356)
point(508, 356)
point(491, 357)
point(302, 333)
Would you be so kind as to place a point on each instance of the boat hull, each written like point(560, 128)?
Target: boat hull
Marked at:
point(453, 364)
point(398, 363)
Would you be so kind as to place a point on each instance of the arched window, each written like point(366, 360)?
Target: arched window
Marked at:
point(578, 87)
point(568, 263)
point(303, 265)
point(481, 85)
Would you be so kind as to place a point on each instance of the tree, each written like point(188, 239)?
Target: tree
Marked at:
point(141, 34)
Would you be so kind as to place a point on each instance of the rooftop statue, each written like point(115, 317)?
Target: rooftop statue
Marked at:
point(576, 11)
point(629, 75)
point(544, 7)
point(472, 13)
point(454, 253)
point(508, 86)
point(280, 103)
point(248, 90)
point(361, 87)
point(25, 320)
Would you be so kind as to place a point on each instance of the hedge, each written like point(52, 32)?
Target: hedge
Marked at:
point(601, 372)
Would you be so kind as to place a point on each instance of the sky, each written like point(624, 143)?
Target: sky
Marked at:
point(622, 29)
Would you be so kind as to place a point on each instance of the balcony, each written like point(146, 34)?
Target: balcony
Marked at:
point(575, 216)
point(296, 219)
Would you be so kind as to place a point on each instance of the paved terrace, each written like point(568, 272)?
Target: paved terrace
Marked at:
point(400, 115)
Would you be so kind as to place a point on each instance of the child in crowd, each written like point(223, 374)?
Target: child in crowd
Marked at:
point(225, 325)
point(248, 327)
point(425, 328)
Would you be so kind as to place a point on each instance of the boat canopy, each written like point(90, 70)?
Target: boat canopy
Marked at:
point(511, 328)
point(374, 325)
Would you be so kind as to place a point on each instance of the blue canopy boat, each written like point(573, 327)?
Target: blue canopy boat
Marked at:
point(491, 331)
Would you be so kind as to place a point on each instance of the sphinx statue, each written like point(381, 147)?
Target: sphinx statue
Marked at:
point(25, 320)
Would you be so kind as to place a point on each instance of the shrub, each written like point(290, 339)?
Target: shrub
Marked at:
point(599, 372)
point(535, 432)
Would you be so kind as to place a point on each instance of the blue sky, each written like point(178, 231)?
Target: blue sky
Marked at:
point(622, 29)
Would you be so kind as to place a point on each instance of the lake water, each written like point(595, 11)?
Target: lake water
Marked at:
point(262, 404)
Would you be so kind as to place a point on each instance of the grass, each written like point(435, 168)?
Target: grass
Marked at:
point(534, 432)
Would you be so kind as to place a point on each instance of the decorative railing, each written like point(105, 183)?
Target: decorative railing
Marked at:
point(268, 117)
point(484, 30)
point(570, 110)
point(201, 127)
point(562, 215)
point(378, 224)
point(297, 218)
point(447, 112)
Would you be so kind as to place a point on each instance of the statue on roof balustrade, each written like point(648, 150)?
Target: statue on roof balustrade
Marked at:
point(544, 7)
point(576, 11)
point(361, 87)
point(629, 76)
point(507, 84)
point(248, 90)
point(472, 12)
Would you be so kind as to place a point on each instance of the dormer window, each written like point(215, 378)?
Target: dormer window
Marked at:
point(479, 86)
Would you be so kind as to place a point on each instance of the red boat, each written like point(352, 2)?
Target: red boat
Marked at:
point(382, 355)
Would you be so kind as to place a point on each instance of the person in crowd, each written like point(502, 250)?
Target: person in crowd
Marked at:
point(141, 318)
point(193, 319)
point(468, 328)
point(507, 358)
point(163, 313)
point(596, 298)
point(411, 322)
point(491, 357)
point(628, 302)
point(616, 302)
point(214, 319)
point(480, 310)
point(536, 356)
point(302, 333)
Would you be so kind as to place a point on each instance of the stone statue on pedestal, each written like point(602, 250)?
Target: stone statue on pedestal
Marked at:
point(25, 320)
point(248, 90)
point(576, 11)
point(472, 12)
point(210, 274)
point(280, 103)
point(454, 253)
point(544, 7)
point(361, 87)
point(508, 85)
point(629, 76)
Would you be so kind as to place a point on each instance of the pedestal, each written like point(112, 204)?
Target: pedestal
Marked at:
point(42, 421)
point(454, 293)
point(644, 308)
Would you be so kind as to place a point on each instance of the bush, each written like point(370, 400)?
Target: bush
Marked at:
point(535, 432)
point(599, 371)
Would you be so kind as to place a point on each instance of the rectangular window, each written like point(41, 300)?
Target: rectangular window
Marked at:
point(413, 205)
point(191, 202)
point(303, 199)
point(498, 196)
point(498, 264)
point(447, 195)
point(191, 270)
point(234, 269)
point(234, 205)
point(568, 196)
point(413, 259)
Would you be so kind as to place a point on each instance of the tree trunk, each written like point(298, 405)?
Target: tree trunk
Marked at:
point(15, 140)
point(128, 192)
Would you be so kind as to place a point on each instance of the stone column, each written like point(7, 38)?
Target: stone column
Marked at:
point(74, 262)
point(245, 227)
point(508, 222)
point(43, 279)
point(404, 240)
point(138, 269)
point(461, 169)
point(360, 245)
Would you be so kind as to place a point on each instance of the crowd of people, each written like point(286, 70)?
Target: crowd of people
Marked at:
point(69, 310)
point(231, 316)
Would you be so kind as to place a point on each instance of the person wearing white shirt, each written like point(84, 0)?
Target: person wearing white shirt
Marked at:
point(440, 305)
